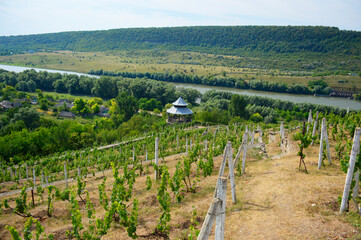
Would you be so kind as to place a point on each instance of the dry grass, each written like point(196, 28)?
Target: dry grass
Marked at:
point(275, 201)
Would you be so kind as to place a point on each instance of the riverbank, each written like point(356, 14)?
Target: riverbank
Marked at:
point(296, 98)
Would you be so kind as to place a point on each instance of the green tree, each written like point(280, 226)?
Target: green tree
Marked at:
point(80, 106)
point(28, 115)
point(44, 104)
point(95, 108)
point(237, 106)
point(358, 96)
point(123, 108)
point(256, 118)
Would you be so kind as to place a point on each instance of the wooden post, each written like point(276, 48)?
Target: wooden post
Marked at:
point(252, 138)
point(205, 145)
point(65, 175)
point(327, 144)
point(79, 175)
point(309, 121)
point(156, 156)
point(282, 133)
point(323, 137)
point(133, 154)
point(46, 179)
point(11, 173)
point(260, 134)
point(314, 128)
point(221, 218)
point(223, 163)
point(42, 177)
point(348, 110)
point(355, 188)
point(34, 177)
point(190, 144)
point(212, 213)
point(240, 149)
point(27, 171)
point(354, 152)
point(177, 142)
point(231, 172)
point(244, 153)
point(320, 154)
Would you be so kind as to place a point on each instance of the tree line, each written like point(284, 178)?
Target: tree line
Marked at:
point(314, 87)
point(103, 87)
point(211, 39)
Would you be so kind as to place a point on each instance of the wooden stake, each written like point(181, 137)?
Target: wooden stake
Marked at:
point(309, 121)
point(252, 138)
point(314, 128)
point(323, 137)
point(260, 134)
point(27, 171)
point(65, 175)
point(177, 141)
point(34, 177)
point(244, 153)
point(156, 156)
point(327, 144)
point(42, 177)
point(221, 218)
point(223, 163)
point(355, 188)
point(210, 218)
point(354, 152)
point(231, 172)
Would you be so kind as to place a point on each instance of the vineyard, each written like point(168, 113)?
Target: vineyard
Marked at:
point(273, 181)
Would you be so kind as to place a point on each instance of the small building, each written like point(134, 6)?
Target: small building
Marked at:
point(103, 109)
point(344, 94)
point(8, 105)
point(67, 105)
point(179, 112)
point(66, 114)
point(65, 100)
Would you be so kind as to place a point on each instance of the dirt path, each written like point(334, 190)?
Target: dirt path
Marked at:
point(280, 202)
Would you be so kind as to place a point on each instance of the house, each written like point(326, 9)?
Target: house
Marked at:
point(9, 105)
point(66, 114)
point(6, 105)
point(65, 100)
point(67, 105)
point(103, 109)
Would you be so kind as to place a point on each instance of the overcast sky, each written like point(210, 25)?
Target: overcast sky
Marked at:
point(18, 17)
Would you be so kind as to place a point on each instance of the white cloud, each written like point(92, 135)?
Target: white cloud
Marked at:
point(39, 16)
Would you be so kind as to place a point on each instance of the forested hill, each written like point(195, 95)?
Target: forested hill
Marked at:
point(241, 40)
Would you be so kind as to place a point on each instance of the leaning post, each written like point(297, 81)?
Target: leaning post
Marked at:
point(350, 171)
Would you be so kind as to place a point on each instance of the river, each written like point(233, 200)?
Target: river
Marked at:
point(342, 103)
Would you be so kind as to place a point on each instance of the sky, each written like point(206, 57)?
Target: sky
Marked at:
point(21, 17)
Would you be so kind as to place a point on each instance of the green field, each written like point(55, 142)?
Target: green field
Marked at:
point(191, 63)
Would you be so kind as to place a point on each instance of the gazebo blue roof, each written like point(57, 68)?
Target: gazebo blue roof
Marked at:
point(180, 108)
point(180, 103)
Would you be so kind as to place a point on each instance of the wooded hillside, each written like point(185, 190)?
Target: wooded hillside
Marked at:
point(240, 40)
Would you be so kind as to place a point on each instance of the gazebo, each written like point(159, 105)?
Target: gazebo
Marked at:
point(179, 112)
